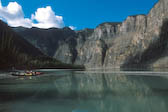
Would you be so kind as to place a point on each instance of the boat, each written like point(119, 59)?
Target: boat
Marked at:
point(27, 73)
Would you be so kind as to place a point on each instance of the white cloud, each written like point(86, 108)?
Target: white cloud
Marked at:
point(14, 15)
point(44, 17)
point(72, 27)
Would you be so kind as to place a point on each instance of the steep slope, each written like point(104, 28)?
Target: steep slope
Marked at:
point(140, 40)
point(17, 52)
point(13, 48)
point(21, 44)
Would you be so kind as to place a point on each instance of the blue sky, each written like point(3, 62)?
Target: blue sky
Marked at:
point(85, 13)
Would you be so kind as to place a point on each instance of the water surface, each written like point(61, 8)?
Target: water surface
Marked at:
point(86, 91)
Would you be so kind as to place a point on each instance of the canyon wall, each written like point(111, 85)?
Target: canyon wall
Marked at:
point(139, 41)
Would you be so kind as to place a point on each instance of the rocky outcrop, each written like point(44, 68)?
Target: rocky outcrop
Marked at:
point(140, 40)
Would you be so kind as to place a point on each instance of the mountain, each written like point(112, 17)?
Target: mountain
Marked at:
point(6, 33)
point(17, 52)
point(139, 41)
point(47, 40)
point(13, 48)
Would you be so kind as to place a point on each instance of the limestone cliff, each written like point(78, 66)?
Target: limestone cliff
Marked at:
point(140, 40)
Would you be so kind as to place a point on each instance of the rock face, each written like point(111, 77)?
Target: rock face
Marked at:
point(140, 40)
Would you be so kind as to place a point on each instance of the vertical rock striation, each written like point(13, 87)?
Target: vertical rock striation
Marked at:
point(140, 40)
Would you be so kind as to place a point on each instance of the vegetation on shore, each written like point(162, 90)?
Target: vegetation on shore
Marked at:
point(45, 62)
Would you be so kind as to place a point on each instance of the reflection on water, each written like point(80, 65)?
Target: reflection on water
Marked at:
point(81, 91)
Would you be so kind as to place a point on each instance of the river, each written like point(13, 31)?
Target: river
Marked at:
point(85, 91)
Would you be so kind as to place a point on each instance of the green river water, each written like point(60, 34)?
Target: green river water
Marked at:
point(86, 91)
